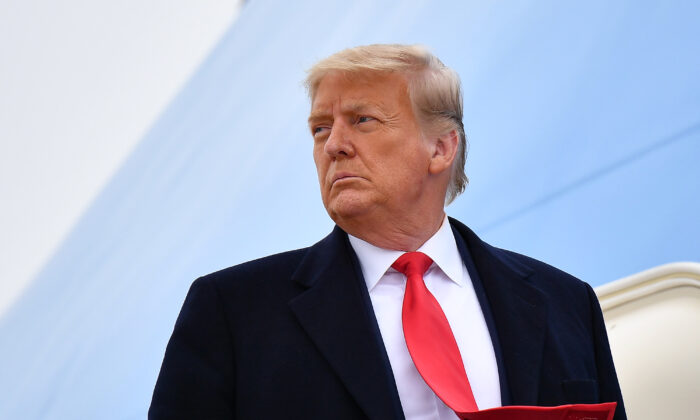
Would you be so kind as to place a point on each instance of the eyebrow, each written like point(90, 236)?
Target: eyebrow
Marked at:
point(352, 108)
point(317, 116)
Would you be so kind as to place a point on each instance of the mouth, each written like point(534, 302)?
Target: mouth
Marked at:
point(340, 176)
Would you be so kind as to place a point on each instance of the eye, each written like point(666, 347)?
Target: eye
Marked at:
point(364, 119)
point(320, 132)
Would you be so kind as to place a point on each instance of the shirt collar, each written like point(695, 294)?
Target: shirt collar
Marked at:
point(441, 248)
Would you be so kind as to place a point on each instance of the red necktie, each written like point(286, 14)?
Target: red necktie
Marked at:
point(429, 338)
point(435, 353)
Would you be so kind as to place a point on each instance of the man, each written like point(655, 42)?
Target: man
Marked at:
point(351, 328)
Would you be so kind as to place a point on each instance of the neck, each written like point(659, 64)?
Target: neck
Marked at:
point(400, 235)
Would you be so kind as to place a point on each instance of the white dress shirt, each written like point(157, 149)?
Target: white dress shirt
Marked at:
point(449, 281)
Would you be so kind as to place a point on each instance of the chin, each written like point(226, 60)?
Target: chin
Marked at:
point(347, 207)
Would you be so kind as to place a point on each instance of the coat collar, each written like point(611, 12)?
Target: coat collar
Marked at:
point(519, 313)
point(336, 313)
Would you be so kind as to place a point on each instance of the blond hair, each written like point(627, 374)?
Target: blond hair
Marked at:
point(433, 88)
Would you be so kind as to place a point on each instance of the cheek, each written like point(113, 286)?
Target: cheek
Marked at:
point(318, 157)
point(321, 167)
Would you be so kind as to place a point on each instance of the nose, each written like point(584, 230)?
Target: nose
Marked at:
point(339, 142)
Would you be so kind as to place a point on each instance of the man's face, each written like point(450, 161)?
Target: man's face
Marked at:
point(371, 157)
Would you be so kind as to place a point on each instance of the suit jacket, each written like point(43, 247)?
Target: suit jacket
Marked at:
point(293, 336)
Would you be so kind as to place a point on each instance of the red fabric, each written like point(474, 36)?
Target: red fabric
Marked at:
point(603, 411)
point(429, 337)
point(435, 353)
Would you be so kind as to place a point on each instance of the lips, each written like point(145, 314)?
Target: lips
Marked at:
point(342, 175)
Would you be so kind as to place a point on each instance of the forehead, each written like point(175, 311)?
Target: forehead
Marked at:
point(357, 89)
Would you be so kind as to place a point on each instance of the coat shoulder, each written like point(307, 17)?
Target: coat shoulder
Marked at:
point(276, 265)
point(560, 287)
point(537, 272)
point(251, 281)
point(543, 271)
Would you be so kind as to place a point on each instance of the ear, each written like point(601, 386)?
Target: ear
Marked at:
point(444, 152)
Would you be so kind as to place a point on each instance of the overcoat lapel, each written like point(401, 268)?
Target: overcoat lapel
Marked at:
point(334, 313)
point(519, 312)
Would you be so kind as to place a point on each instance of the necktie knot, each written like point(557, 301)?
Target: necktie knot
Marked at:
point(412, 263)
